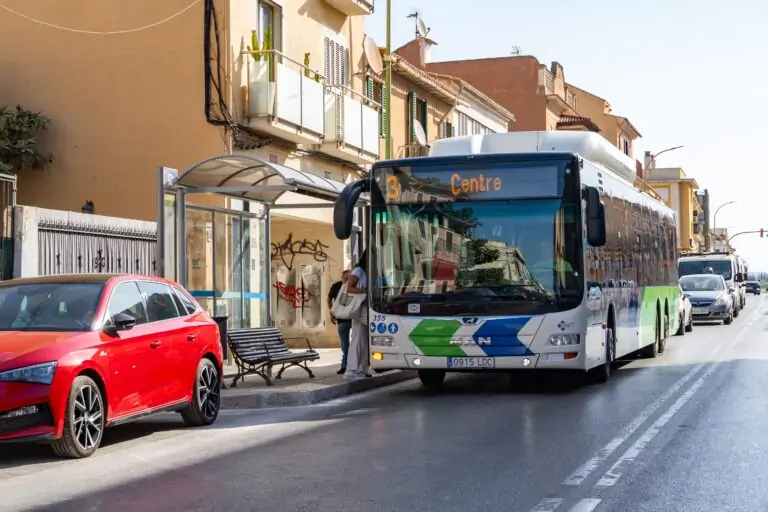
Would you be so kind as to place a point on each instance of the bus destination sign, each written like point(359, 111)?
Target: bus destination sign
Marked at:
point(417, 185)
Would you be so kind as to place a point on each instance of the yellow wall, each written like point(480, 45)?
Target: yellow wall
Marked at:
point(121, 105)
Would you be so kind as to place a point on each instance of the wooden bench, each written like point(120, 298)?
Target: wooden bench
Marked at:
point(258, 349)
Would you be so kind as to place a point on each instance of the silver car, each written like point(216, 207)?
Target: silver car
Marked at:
point(710, 298)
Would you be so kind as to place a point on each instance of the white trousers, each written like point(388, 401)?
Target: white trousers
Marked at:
point(358, 359)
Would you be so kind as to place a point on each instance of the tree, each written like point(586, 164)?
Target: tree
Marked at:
point(462, 221)
point(19, 129)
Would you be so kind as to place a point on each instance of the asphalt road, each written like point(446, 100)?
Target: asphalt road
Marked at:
point(682, 432)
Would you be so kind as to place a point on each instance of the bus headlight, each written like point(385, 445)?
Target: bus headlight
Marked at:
point(382, 341)
point(560, 340)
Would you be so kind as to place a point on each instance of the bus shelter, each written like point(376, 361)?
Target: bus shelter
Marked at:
point(227, 264)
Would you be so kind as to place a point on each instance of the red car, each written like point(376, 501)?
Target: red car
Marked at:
point(79, 353)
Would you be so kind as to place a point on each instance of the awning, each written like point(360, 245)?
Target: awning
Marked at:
point(247, 177)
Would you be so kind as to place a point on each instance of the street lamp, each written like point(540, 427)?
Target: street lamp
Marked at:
point(652, 158)
point(714, 218)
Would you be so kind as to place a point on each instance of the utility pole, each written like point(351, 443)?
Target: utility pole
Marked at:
point(388, 85)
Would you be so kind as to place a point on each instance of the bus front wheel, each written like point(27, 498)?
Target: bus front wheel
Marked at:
point(432, 379)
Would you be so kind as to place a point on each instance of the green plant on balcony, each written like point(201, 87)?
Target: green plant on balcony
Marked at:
point(267, 49)
point(253, 48)
point(19, 129)
point(307, 71)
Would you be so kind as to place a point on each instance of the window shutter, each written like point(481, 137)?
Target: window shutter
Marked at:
point(443, 130)
point(424, 116)
point(383, 112)
point(327, 60)
point(453, 131)
point(411, 117)
point(369, 87)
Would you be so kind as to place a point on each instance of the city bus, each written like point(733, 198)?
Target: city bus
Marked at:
point(514, 251)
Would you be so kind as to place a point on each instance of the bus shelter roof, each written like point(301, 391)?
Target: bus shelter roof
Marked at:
point(247, 177)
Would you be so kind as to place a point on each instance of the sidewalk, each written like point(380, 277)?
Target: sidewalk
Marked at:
point(296, 388)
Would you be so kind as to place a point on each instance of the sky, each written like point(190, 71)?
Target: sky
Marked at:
point(685, 72)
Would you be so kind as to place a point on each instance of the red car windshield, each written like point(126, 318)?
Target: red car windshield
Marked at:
point(49, 307)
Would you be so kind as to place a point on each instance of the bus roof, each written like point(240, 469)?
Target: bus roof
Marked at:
point(589, 145)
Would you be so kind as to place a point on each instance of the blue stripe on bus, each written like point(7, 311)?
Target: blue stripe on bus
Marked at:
point(211, 294)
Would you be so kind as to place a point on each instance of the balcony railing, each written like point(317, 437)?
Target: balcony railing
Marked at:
point(285, 96)
point(549, 83)
point(570, 99)
point(353, 7)
point(412, 151)
point(351, 123)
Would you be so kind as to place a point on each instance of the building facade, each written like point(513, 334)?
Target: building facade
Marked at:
point(278, 80)
point(678, 191)
point(474, 112)
point(618, 130)
point(538, 96)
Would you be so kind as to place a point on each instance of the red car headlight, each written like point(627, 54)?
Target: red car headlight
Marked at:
point(34, 374)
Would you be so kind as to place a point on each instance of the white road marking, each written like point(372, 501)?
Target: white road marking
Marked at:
point(615, 472)
point(586, 505)
point(586, 469)
point(547, 505)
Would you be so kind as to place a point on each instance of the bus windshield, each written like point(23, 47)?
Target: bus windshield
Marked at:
point(499, 257)
point(699, 266)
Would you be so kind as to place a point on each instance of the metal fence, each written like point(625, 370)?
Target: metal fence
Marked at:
point(68, 247)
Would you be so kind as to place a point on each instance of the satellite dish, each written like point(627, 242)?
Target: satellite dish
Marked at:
point(418, 131)
point(421, 28)
point(372, 55)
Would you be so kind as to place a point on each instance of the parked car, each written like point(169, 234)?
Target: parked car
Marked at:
point(753, 285)
point(79, 353)
point(686, 314)
point(710, 297)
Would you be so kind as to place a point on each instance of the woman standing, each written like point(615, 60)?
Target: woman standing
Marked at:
point(357, 361)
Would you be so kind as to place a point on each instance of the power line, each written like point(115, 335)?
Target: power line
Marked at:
point(100, 33)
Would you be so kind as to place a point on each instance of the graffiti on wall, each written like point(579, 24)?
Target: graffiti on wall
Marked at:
point(287, 251)
point(296, 296)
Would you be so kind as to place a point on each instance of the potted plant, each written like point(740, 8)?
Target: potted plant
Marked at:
point(262, 87)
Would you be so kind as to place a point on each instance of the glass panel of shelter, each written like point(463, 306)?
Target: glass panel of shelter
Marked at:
point(224, 267)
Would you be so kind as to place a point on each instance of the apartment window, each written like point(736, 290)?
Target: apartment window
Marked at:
point(469, 126)
point(270, 16)
point(627, 148)
point(416, 111)
point(336, 68)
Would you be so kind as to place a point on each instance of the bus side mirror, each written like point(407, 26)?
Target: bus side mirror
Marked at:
point(343, 210)
point(595, 218)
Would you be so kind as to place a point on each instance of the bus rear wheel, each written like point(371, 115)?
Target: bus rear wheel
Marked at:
point(432, 379)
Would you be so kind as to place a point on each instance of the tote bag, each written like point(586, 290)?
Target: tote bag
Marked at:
point(347, 305)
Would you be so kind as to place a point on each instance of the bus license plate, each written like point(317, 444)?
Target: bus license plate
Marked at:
point(471, 363)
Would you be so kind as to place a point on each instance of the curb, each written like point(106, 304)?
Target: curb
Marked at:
point(258, 399)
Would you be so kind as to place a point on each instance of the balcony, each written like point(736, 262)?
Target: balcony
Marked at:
point(351, 126)
point(285, 98)
point(412, 151)
point(353, 7)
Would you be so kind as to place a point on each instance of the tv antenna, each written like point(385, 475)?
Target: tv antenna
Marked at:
point(421, 28)
point(515, 51)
